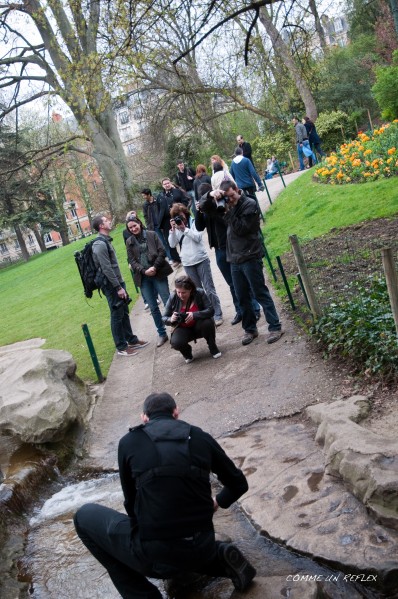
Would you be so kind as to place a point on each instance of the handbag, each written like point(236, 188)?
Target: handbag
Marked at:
point(307, 151)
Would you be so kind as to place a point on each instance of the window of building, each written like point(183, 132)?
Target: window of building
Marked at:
point(3, 248)
point(31, 239)
point(130, 148)
point(73, 213)
point(16, 244)
point(48, 238)
point(124, 117)
point(338, 25)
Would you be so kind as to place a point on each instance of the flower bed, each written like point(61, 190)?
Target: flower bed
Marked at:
point(369, 157)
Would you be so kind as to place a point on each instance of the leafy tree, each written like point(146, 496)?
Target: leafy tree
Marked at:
point(334, 128)
point(386, 89)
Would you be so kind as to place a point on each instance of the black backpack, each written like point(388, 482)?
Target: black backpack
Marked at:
point(91, 276)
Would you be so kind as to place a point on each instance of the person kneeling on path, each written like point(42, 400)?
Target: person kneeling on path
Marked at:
point(164, 468)
point(147, 260)
point(190, 312)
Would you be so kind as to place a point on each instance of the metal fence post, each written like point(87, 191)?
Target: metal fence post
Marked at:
point(313, 301)
point(93, 355)
point(392, 281)
point(284, 279)
point(266, 189)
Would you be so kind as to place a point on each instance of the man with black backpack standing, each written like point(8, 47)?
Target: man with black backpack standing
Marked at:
point(164, 468)
point(113, 287)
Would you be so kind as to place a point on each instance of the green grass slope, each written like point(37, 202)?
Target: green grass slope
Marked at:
point(44, 298)
point(308, 209)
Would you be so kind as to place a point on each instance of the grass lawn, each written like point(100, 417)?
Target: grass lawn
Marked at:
point(309, 209)
point(44, 298)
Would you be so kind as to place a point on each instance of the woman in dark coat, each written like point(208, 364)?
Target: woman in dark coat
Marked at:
point(313, 137)
point(200, 178)
point(147, 259)
point(190, 313)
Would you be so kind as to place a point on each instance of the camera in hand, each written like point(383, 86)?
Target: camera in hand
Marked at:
point(127, 300)
point(181, 317)
point(221, 203)
point(178, 220)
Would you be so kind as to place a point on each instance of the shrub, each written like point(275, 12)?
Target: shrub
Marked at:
point(276, 144)
point(369, 157)
point(333, 128)
point(385, 89)
point(362, 328)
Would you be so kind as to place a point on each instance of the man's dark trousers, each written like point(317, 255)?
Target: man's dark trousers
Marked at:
point(248, 276)
point(120, 319)
point(109, 537)
point(225, 268)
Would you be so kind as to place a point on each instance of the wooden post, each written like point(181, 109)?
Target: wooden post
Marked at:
point(392, 281)
point(370, 120)
point(291, 160)
point(312, 299)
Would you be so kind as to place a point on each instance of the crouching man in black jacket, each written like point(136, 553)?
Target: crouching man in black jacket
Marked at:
point(165, 467)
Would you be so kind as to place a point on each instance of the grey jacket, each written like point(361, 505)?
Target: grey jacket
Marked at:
point(301, 132)
point(104, 257)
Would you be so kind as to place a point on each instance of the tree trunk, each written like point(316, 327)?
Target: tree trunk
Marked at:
point(63, 231)
point(394, 10)
point(318, 25)
point(22, 244)
point(282, 51)
point(39, 238)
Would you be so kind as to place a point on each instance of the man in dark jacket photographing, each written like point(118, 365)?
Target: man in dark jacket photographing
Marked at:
point(165, 467)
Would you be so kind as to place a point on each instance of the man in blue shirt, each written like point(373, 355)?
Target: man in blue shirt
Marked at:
point(245, 174)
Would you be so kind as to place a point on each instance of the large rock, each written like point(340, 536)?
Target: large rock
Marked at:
point(40, 394)
point(367, 462)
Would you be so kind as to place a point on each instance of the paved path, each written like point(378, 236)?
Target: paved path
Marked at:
point(245, 385)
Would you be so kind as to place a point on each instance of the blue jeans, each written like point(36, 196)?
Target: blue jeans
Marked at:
point(249, 276)
point(165, 243)
point(152, 287)
point(120, 319)
point(225, 268)
point(300, 153)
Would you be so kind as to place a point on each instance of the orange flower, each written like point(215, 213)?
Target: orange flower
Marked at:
point(391, 151)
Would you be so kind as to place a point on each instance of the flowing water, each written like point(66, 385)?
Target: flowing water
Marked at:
point(57, 566)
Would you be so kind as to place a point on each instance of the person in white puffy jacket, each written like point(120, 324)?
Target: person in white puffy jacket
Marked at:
point(193, 254)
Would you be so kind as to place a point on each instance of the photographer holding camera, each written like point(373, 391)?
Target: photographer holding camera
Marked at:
point(190, 313)
point(245, 253)
point(193, 255)
point(114, 289)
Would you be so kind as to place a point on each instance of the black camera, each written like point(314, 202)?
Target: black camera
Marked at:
point(178, 220)
point(221, 203)
point(127, 300)
point(181, 317)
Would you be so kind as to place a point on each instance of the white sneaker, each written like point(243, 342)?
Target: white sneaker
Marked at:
point(146, 307)
point(188, 360)
point(218, 322)
point(158, 301)
point(215, 356)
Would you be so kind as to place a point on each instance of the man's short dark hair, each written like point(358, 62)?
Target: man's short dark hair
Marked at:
point(96, 223)
point(225, 185)
point(146, 191)
point(204, 188)
point(217, 166)
point(238, 151)
point(180, 161)
point(159, 402)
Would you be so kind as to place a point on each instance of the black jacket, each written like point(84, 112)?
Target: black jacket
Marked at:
point(200, 298)
point(182, 179)
point(164, 469)
point(198, 182)
point(243, 231)
point(151, 214)
point(208, 216)
point(165, 201)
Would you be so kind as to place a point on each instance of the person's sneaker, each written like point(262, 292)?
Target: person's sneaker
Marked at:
point(162, 340)
point(248, 337)
point(158, 301)
point(274, 336)
point(138, 344)
point(146, 307)
point(129, 351)
point(237, 568)
point(188, 360)
point(217, 355)
point(218, 322)
point(236, 319)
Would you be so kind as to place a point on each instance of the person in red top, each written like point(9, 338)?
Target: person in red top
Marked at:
point(190, 313)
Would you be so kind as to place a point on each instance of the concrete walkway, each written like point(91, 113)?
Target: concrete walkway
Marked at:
point(244, 399)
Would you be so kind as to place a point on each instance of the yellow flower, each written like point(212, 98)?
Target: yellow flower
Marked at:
point(391, 151)
point(356, 162)
point(389, 160)
point(367, 152)
point(348, 179)
point(339, 175)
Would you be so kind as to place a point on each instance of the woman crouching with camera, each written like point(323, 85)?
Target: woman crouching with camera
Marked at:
point(147, 259)
point(190, 313)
